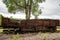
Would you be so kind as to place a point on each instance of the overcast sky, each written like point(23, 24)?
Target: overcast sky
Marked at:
point(50, 10)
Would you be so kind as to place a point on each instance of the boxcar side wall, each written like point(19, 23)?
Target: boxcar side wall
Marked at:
point(54, 22)
point(59, 23)
point(9, 23)
point(39, 24)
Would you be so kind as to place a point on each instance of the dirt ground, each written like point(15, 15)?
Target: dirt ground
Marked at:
point(32, 36)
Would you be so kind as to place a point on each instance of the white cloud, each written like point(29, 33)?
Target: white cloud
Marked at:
point(51, 9)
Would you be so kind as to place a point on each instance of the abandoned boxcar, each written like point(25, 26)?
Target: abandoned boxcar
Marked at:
point(39, 25)
point(29, 25)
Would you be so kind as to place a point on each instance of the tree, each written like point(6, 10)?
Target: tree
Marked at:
point(37, 13)
point(11, 17)
point(27, 6)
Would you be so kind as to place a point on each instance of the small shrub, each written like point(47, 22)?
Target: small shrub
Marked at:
point(44, 38)
point(16, 37)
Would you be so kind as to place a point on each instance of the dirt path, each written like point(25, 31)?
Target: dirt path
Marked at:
point(32, 36)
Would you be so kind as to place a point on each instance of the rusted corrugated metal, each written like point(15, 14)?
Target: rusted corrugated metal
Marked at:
point(37, 24)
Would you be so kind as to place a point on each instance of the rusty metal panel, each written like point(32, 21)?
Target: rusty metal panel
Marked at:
point(53, 22)
point(5, 21)
point(46, 22)
point(59, 22)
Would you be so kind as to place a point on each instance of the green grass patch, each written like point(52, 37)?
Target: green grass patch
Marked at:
point(16, 37)
point(44, 37)
point(1, 30)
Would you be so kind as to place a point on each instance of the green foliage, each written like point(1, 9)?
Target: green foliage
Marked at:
point(14, 5)
point(11, 17)
point(0, 19)
point(37, 13)
point(30, 6)
point(44, 38)
point(1, 30)
point(40, 1)
point(11, 9)
point(16, 37)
